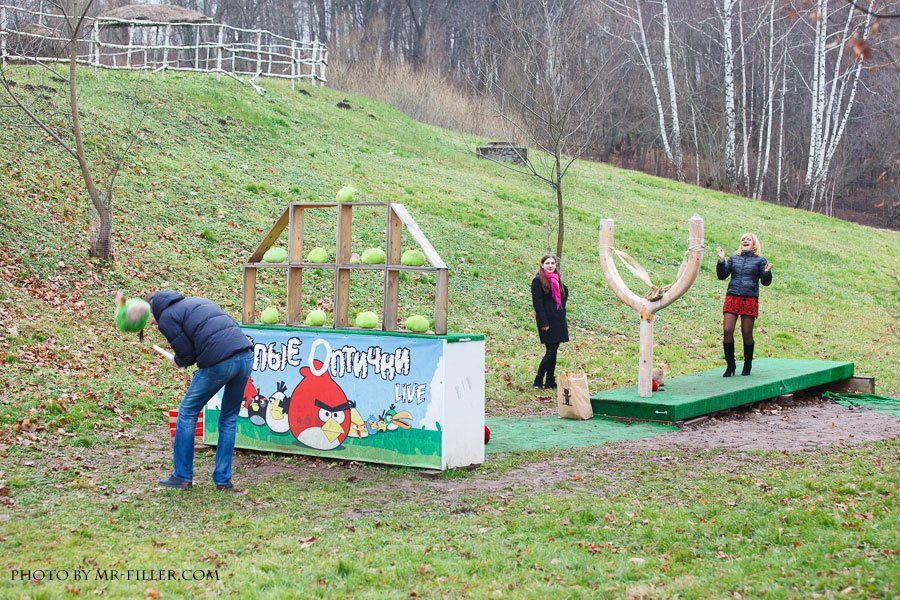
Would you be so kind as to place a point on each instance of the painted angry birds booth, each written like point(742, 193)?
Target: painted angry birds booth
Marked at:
point(361, 392)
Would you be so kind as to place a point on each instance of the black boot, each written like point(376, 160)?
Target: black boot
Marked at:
point(538, 384)
point(729, 359)
point(551, 383)
point(748, 359)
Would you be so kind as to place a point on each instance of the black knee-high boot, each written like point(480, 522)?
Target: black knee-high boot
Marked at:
point(748, 359)
point(729, 359)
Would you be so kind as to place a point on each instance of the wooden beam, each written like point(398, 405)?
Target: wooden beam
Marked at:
point(342, 276)
point(416, 233)
point(294, 296)
point(295, 229)
point(391, 303)
point(270, 238)
point(441, 296)
point(295, 274)
point(248, 312)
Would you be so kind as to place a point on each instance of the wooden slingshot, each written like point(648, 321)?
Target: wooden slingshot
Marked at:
point(657, 298)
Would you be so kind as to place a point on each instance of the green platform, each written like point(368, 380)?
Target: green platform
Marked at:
point(706, 392)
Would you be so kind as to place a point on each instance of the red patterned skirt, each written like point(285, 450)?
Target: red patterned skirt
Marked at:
point(741, 305)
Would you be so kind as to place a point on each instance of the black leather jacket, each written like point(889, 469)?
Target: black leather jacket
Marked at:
point(747, 271)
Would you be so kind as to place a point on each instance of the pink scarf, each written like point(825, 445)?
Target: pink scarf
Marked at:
point(553, 278)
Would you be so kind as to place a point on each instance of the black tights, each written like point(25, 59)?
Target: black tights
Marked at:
point(548, 365)
point(730, 321)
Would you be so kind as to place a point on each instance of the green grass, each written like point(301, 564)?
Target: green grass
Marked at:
point(696, 526)
point(215, 165)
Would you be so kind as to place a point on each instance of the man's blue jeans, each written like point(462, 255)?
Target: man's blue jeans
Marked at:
point(232, 373)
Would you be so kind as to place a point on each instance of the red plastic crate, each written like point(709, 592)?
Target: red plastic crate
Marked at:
point(173, 418)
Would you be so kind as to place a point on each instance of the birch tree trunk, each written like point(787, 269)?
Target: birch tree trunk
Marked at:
point(730, 115)
point(673, 96)
point(745, 137)
point(781, 127)
point(762, 163)
point(831, 105)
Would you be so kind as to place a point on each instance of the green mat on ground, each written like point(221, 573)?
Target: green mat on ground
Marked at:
point(519, 434)
point(882, 404)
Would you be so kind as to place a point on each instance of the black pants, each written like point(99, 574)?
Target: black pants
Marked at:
point(547, 368)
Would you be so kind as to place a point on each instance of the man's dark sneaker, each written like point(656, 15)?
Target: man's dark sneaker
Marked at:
point(174, 482)
point(225, 486)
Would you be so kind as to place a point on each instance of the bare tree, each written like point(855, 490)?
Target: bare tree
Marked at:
point(68, 134)
point(542, 66)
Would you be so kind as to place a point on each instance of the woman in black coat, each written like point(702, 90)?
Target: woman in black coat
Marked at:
point(747, 269)
point(549, 295)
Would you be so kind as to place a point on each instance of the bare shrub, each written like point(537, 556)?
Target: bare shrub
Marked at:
point(425, 94)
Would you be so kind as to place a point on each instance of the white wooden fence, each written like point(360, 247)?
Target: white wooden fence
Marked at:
point(146, 45)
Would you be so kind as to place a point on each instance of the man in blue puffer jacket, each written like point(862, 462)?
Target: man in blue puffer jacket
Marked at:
point(199, 331)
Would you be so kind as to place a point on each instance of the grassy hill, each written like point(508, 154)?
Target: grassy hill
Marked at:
point(216, 164)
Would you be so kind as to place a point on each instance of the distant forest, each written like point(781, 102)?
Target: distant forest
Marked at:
point(791, 101)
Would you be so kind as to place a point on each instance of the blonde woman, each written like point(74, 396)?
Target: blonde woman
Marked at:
point(747, 269)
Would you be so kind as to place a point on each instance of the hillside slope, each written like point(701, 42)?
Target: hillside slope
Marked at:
point(216, 163)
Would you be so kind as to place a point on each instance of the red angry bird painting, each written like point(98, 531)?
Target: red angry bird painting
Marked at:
point(319, 413)
point(249, 392)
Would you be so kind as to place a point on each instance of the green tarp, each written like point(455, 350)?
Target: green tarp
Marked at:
point(519, 434)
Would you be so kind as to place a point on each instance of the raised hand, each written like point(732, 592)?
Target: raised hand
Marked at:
point(768, 267)
point(720, 252)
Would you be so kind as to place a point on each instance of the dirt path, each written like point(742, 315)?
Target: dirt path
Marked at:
point(790, 426)
point(143, 456)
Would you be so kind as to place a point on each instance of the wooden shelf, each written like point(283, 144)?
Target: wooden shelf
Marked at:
point(397, 218)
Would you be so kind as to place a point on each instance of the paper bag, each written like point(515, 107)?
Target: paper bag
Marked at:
point(572, 398)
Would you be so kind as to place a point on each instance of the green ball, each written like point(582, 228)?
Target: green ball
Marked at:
point(373, 256)
point(133, 316)
point(345, 194)
point(275, 255)
point(366, 319)
point(317, 255)
point(417, 323)
point(413, 258)
point(316, 318)
point(269, 316)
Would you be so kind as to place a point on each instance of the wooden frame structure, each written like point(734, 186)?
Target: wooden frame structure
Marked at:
point(397, 218)
point(648, 308)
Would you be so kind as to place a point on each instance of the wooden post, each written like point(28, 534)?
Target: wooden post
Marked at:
point(197, 48)
point(441, 297)
point(130, 44)
point(165, 61)
point(295, 274)
point(342, 276)
point(96, 42)
point(323, 62)
point(293, 65)
point(391, 302)
point(648, 308)
point(2, 36)
point(645, 356)
point(258, 53)
point(248, 312)
point(219, 53)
